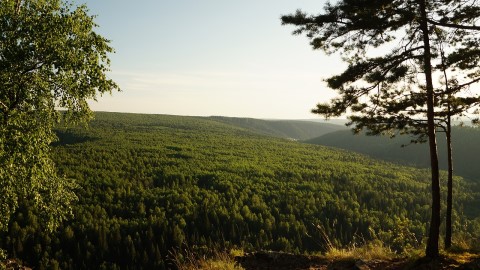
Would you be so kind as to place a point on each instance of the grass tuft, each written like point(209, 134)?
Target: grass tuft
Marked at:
point(374, 250)
point(461, 257)
point(188, 260)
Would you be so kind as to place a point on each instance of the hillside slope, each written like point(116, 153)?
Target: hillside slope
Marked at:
point(288, 129)
point(465, 149)
point(150, 184)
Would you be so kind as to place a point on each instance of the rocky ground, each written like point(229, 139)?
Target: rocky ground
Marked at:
point(285, 261)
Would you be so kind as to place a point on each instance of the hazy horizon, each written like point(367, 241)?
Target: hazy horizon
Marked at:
point(212, 58)
point(313, 119)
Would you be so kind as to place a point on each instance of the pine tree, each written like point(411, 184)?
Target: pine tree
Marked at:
point(399, 84)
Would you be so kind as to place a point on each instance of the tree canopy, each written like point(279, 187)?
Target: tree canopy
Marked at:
point(51, 62)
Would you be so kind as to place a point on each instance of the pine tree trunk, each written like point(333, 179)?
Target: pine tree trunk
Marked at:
point(432, 250)
point(448, 226)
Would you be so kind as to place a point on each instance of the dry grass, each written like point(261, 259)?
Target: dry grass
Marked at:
point(374, 250)
point(465, 243)
point(218, 261)
point(464, 257)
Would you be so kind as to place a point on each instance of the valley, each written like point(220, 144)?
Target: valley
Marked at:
point(152, 184)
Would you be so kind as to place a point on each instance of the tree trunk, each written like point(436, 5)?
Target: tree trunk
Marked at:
point(18, 3)
point(448, 226)
point(434, 232)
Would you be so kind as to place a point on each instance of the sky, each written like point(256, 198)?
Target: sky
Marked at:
point(212, 57)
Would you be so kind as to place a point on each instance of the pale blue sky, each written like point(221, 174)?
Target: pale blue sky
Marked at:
point(211, 57)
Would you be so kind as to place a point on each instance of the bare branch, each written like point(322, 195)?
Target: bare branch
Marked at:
point(5, 107)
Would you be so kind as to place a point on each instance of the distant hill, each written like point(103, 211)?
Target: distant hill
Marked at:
point(288, 129)
point(339, 121)
point(466, 149)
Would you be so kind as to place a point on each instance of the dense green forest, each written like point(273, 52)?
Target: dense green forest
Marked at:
point(465, 149)
point(149, 184)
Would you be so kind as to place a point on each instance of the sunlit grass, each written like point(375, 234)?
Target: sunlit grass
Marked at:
point(188, 260)
point(374, 250)
point(462, 258)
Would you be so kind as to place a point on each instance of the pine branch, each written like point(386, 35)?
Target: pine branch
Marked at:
point(454, 89)
point(453, 25)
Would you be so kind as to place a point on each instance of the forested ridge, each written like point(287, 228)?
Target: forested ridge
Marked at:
point(465, 148)
point(148, 184)
point(288, 129)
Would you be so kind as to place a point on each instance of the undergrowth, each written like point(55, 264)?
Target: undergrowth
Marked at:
point(405, 244)
point(188, 260)
point(374, 250)
point(463, 250)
